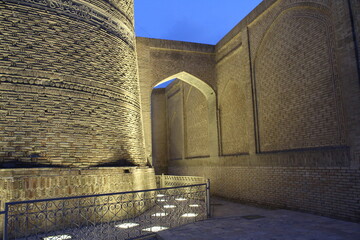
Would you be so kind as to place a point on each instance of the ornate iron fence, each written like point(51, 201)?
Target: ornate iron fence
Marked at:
point(125, 215)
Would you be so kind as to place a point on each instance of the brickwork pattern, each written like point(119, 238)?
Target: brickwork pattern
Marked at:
point(333, 192)
point(175, 113)
point(227, 50)
point(20, 185)
point(30, 184)
point(167, 62)
point(195, 122)
point(158, 59)
point(159, 131)
point(292, 63)
point(355, 8)
point(295, 78)
point(69, 88)
point(232, 90)
point(350, 77)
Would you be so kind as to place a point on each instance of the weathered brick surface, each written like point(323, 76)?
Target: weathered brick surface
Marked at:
point(159, 131)
point(30, 184)
point(69, 87)
point(175, 121)
point(287, 94)
point(331, 192)
point(349, 76)
point(185, 121)
point(296, 83)
point(160, 59)
point(196, 132)
point(354, 10)
point(69, 96)
point(233, 89)
point(288, 99)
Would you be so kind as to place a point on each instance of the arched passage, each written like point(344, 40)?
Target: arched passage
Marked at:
point(210, 97)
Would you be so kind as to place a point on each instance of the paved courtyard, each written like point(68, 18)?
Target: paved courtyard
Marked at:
point(233, 221)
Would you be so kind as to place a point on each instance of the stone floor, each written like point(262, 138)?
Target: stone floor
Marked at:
point(233, 221)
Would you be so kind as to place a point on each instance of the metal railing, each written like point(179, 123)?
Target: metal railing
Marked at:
point(125, 215)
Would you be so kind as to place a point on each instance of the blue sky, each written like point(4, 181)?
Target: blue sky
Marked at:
point(201, 21)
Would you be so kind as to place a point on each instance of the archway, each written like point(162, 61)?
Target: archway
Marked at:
point(210, 98)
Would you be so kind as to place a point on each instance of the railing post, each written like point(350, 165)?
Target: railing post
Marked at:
point(208, 211)
point(162, 182)
point(5, 234)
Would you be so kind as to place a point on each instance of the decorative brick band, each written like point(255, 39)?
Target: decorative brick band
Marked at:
point(90, 14)
point(123, 97)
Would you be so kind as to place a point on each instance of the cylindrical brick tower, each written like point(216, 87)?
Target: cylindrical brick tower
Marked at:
point(69, 92)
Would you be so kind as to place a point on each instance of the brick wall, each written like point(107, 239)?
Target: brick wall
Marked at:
point(159, 59)
point(354, 7)
point(185, 120)
point(233, 90)
point(37, 183)
point(346, 37)
point(45, 183)
point(330, 192)
point(159, 131)
point(288, 100)
point(296, 82)
point(196, 133)
point(69, 88)
point(175, 121)
point(69, 98)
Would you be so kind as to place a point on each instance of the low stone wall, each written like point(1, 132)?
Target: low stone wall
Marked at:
point(164, 181)
point(29, 184)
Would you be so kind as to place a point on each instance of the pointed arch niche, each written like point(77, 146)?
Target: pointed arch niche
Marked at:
point(161, 121)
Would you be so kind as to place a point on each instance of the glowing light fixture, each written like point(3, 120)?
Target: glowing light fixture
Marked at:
point(160, 195)
point(169, 206)
point(155, 229)
point(161, 214)
point(180, 199)
point(161, 200)
point(189, 215)
point(57, 237)
point(194, 205)
point(127, 225)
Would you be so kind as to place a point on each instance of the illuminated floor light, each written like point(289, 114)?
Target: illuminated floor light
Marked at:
point(162, 214)
point(194, 205)
point(127, 225)
point(160, 195)
point(169, 206)
point(189, 215)
point(155, 229)
point(180, 199)
point(161, 200)
point(57, 237)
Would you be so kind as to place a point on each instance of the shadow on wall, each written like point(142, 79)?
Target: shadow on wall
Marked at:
point(19, 164)
point(117, 163)
point(118, 156)
point(36, 160)
point(122, 158)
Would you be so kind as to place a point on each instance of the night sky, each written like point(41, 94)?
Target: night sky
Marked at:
point(201, 21)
